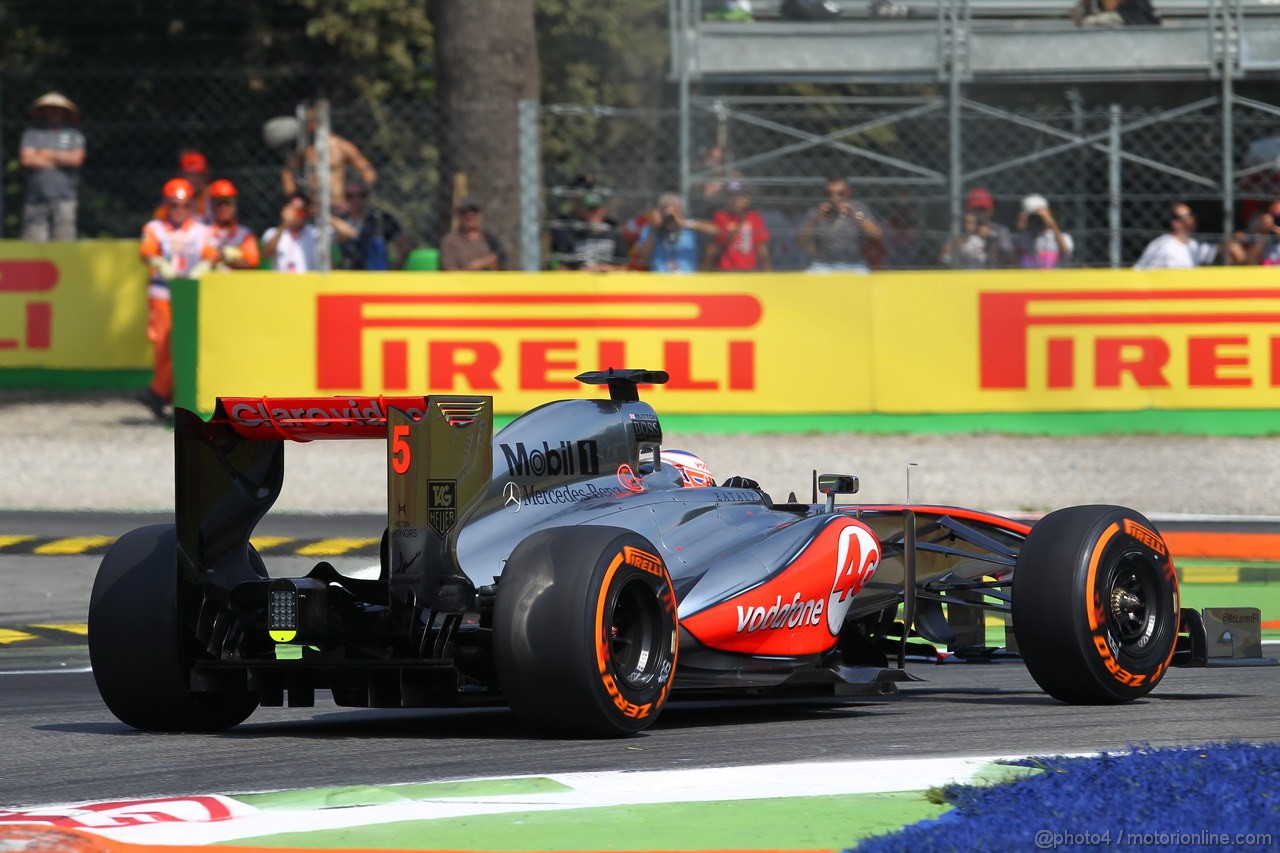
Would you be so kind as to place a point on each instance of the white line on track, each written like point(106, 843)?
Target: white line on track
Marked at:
point(587, 790)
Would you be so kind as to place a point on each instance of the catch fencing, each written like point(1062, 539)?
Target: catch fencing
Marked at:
point(1107, 169)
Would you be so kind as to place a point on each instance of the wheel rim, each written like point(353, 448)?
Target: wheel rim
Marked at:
point(634, 635)
point(1133, 603)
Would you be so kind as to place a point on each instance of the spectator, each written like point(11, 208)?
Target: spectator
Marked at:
point(631, 228)
point(193, 167)
point(591, 240)
point(51, 153)
point(1264, 248)
point(176, 247)
point(343, 154)
point(236, 245)
point(742, 240)
point(1040, 241)
point(1179, 249)
point(470, 248)
point(840, 234)
point(669, 243)
point(711, 197)
point(1114, 13)
point(981, 243)
point(902, 243)
point(373, 234)
point(292, 245)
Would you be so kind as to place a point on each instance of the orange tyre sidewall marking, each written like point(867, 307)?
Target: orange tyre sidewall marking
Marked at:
point(1096, 616)
point(644, 561)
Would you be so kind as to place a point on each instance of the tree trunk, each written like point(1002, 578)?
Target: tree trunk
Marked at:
point(486, 63)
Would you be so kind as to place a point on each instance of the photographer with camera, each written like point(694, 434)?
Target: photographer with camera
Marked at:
point(1041, 242)
point(982, 243)
point(669, 243)
point(840, 234)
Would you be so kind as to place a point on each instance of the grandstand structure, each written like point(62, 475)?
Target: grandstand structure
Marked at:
point(1110, 121)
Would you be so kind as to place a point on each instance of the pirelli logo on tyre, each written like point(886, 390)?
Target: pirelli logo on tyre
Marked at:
point(1145, 536)
point(479, 342)
point(644, 561)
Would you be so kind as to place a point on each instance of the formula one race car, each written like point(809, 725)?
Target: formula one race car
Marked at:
point(570, 568)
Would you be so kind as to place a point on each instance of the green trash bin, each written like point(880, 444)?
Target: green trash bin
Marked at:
point(423, 260)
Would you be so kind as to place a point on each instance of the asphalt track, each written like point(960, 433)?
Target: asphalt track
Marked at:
point(60, 744)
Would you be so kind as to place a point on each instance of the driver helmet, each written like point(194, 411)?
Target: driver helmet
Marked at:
point(693, 471)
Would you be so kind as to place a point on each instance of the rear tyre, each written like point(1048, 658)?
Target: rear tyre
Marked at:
point(584, 631)
point(141, 651)
point(1095, 605)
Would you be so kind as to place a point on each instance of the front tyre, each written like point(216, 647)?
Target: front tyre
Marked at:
point(141, 651)
point(1095, 605)
point(584, 631)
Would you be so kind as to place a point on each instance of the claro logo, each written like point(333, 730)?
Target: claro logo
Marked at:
point(34, 329)
point(454, 336)
point(1114, 339)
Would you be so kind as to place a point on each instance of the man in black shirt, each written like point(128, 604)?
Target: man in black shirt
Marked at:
point(591, 240)
point(372, 238)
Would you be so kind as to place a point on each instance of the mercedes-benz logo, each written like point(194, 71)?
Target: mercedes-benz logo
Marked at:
point(511, 497)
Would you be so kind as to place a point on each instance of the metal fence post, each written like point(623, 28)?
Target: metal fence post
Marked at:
point(2, 181)
point(1076, 100)
point(530, 185)
point(1229, 35)
point(1113, 188)
point(955, 126)
point(324, 180)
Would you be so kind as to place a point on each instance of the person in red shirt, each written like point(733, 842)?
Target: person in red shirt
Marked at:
point(177, 246)
point(743, 242)
point(236, 245)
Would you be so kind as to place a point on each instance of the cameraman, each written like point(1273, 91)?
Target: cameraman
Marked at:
point(840, 234)
point(669, 243)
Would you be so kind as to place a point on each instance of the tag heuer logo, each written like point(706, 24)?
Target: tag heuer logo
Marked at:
point(442, 505)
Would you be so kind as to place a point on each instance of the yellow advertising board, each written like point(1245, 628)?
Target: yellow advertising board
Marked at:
point(899, 343)
point(73, 306)
point(1075, 341)
point(731, 343)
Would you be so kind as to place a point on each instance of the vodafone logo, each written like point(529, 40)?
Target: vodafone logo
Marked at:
point(801, 608)
point(857, 557)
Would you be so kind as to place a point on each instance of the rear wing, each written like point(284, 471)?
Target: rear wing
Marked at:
point(229, 471)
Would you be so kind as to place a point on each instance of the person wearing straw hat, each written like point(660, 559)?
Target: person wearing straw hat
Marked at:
point(51, 153)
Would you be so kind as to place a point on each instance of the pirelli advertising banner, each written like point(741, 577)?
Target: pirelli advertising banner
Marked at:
point(72, 307)
point(1074, 341)
point(910, 343)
